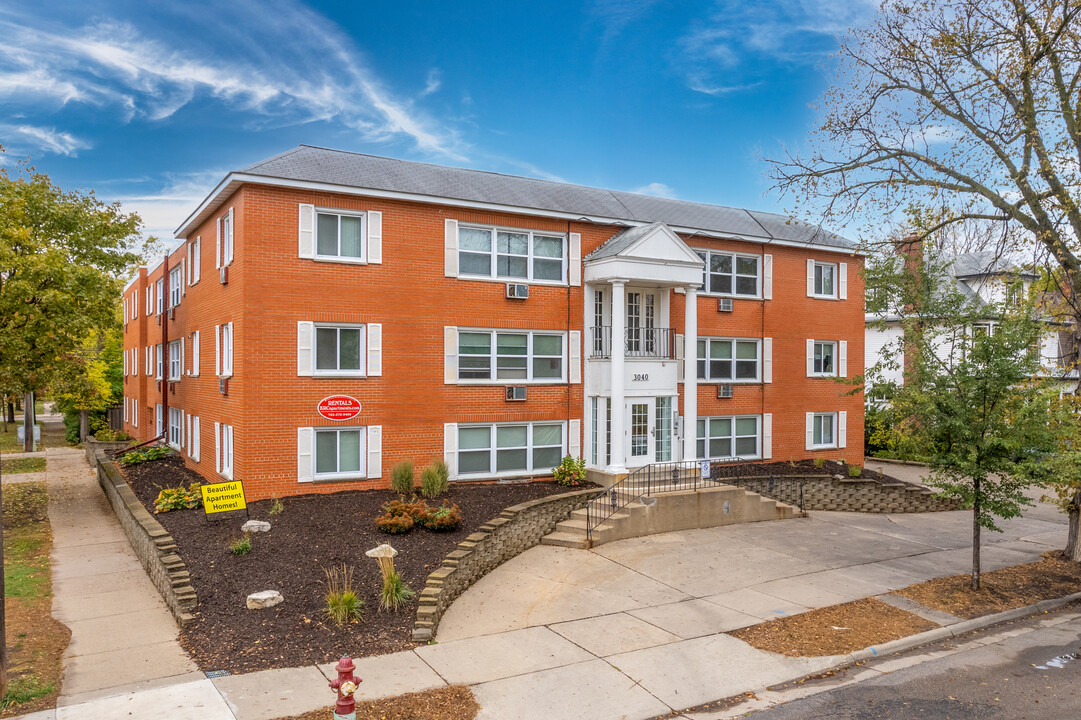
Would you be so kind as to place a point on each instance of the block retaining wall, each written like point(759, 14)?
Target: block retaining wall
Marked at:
point(849, 494)
point(517, 529)
point(154, 546)
point(92, 446)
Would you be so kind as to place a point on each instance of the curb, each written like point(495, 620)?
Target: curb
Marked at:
point(893, 461)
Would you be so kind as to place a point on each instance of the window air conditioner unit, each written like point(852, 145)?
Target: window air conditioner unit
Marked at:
point(223, 275)
point(724, 390)
point(223, 386)
point(172, 313)
point(517, 291)
point(724, 305)
point(515, 393)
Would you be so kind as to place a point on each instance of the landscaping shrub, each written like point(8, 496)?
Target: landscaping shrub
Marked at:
point(401, 478)
point(178, 499)
point(854, 471)
point(395, 592)
point(433, 479)
point(277, 507)
point(415, 508)
point(343, 605)
point(394, 524)
point(110, 435)
point(570, 472)
point(241, 545)
point(443, 519)
point(819, 462)
point(134, 457)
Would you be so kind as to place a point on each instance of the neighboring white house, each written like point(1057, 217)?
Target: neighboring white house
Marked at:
point(982, 277)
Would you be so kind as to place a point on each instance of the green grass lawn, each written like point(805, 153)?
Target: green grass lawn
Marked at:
point(22, 465)
point(9, 440)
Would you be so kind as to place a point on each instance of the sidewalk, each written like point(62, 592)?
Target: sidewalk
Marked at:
point(634, 629)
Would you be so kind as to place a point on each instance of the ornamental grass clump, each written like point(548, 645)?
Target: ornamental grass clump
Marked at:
point(434, 479)
point(178, 498)
point(342, 603)
point(277, 507)
point(401, 478)
point(395, 592)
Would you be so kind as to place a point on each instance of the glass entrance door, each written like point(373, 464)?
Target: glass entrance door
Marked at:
point(650, 430)
point(640, 431)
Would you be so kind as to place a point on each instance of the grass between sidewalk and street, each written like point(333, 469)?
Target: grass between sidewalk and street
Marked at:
point(449, 703)
point(35, 641)
point(22, 465)
point(9, 439)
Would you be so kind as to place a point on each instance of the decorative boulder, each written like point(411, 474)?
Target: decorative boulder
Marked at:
point(264, 599)
point(255, 526)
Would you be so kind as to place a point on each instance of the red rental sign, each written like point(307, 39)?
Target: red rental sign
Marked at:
point(339, 407)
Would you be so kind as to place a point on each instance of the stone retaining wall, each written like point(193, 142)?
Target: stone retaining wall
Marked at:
point(92, 446)
point(849, 494)
point(517, 529)
point(152, 544)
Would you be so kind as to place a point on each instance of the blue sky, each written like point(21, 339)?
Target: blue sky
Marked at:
point(151, 103)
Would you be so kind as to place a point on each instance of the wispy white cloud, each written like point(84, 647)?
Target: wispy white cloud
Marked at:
point(615, 15)
point(656, 189)
point(162, 203)
point(289, 65)
point(434, 82)
point(26, 138)
point(737, 40)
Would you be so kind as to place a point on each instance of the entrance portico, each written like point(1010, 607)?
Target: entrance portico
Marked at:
point(636, 360)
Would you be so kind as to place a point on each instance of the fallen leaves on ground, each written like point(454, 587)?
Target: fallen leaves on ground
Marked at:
point(450, 703)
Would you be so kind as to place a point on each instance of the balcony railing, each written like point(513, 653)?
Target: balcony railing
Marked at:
point(640, 342)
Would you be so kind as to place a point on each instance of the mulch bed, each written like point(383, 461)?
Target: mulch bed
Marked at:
point(313, 532)
point(802, 467)
point(449, 703)
point(1005, 589)
point(834, 630)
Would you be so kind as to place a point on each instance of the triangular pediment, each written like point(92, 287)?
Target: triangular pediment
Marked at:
point(651, 243)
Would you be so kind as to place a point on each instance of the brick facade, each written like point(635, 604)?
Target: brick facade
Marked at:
point(270, 289)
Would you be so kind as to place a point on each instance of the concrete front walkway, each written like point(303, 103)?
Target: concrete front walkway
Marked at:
point(122, 635)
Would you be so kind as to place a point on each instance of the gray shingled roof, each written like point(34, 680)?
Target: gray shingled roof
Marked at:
point(336, 167)
point(984, 263)
point(621, 241)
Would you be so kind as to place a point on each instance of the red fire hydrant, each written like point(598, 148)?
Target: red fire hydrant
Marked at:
point(345, 685)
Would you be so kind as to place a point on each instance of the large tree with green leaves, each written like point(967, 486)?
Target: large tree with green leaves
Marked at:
point(975, 401)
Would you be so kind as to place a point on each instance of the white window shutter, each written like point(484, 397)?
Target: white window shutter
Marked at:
point(187, 427)
point(375, 349)
point(767, 276)
point(574, 440)
point(217, 246)
point(842, 429)
point(196, 441)
point(450, 449)
point(375, 451)
point(195, 353)
point(149, 361)
point(767, 436)
point(184, 270)
point(217, 447)
point(810, 358)
point(196, 268)
point(227, 361)
point(810, 277)
point(228, 249)
point(217, 350)
point(307, 231)
point(450, 248)
point(810, 430)
point(375, 237)
point(842, 359)
point(574, 269)
point(182, 355)
point(450, 355)
point(305, 454)
point(576, 356)
point(187, 270)
point(767, 360)
point(842, 285)
point(305, 348)
point(679, 357)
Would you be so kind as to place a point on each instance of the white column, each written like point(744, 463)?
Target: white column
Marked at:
point(619, 345)
point(690, 374)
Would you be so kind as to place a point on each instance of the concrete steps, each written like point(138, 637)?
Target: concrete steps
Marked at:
point(667, 512)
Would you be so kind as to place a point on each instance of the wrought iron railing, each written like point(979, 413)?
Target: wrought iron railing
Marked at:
point(638, 342)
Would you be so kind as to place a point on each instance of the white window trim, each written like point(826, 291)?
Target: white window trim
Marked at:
point(494, 277)
point(179, 444)
point(176, 289)
point(528, 380)
point(811, 358)
point(363, 259)
point(833, 419)
point(223, 438)
point(159, 419)
point(160, 295)
point(359, 373)
point(178, 361)
point(159, 367)
point(759, 440)
point(703, 290)
point(194, 354)
point(493, 449)
point(223, 341)
point(361, 474)
point(836, 280)
point(196, 259)
point(759, 361)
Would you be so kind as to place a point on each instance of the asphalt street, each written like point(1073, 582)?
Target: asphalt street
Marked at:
point(1034, 675)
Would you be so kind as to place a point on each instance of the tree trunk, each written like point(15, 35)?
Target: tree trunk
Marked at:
point(3, 616)
point(84, 425)
point(29, 421)
point(976, 535)
point(1073, 543)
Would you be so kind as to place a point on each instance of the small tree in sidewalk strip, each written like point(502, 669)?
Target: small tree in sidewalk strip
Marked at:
point(973, 401)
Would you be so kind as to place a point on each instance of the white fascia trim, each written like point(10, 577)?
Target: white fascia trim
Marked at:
point(131, 282)
point(239, 178)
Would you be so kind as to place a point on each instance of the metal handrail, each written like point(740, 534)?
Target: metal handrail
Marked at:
point(649, 480)
point(647, 342)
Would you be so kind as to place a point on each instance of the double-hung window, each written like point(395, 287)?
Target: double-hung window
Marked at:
point(176, 428)
point(176, 285)
point(824, 361)
point(195, 258)
point(339, 235)
point(730, 436)
point(160, 295)
point(825, 280)
point(510, 448)
point(730, 273)
point(339, 453)
point(224, 449)
point(176, 361)
point(339, 350)
point(158, 419)
point(224, 357)
point(728, 359)
point(823, 430)
point(510, 355)
point(512, 254)
point(158, 353)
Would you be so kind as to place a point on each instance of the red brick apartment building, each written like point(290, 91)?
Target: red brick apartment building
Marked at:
point(498, 322)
